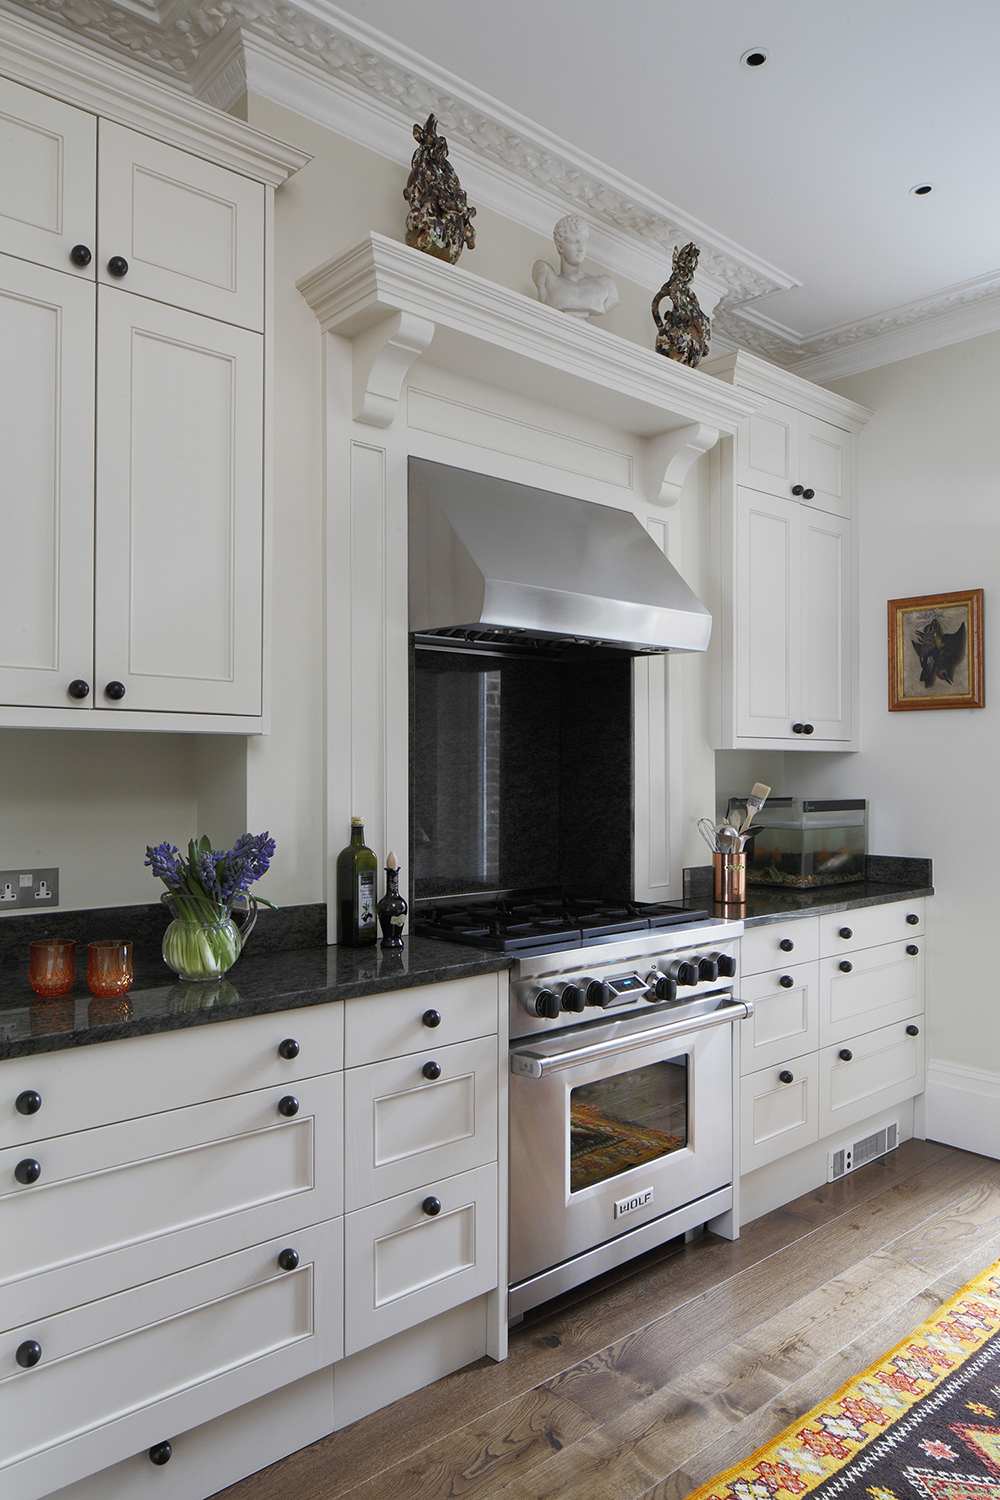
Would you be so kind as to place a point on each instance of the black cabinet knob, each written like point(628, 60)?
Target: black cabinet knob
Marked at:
point(912, 949)
point(28, 1353)
point(786, 981)
point(431, 1207)
point(807, 729)
point(78, 688)
point(432, 1070)
point(708, 970)
point(289, 1105)
point(785, 1077)
point(28, 1171)
point(431, 1018)
point(80, 255)
point(289, 1048)
point(115, 691)
point(786, 945)
point(845, 966)
point(797, 489)
point(845, 1054)
point(912, 918)
point(28, 1103)
point(160, 1453)
point(847, 932)
point(808, 494)
point(288, 1259)
point(913, 1031)
point(798, 729)
point(118, 266)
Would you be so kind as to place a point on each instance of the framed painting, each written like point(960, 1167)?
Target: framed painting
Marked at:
point(936, 651)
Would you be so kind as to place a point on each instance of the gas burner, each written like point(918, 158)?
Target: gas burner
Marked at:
point(537, 921)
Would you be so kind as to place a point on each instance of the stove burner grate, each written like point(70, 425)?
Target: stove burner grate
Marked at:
point(510, 925)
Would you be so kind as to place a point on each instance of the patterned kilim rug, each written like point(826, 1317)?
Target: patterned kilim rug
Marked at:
point(923, 1423)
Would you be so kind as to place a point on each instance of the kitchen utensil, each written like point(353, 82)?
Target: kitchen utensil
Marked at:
point(709, 833)
point(729, 840)
point(758, 796)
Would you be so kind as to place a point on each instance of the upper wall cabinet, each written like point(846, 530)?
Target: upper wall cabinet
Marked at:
point(784, 490)
point(132, 371)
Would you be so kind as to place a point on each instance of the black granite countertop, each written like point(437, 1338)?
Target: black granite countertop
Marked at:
point(258, 983)
point(888, 879)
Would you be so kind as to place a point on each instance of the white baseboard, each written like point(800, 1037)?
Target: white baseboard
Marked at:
point(962, 1108)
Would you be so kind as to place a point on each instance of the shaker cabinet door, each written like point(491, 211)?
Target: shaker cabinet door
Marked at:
point(767, 612)
point(46, 484)
point(179, 528)
point(48, 177)
point(191, 232)
point(826, 637)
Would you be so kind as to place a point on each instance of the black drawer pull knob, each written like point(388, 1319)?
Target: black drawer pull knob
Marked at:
point(431, 1070)
point(28, 1103)
point(118, 266)
point(289, 1048)
point(808, 494)
point(28, 1171)
point(845, 1054)
point(786, 945)
point(786, 981)
point(912, 949)
point(78, 688)
point(785, 1077)
point(115, 691)
point(288, 1106)
point(160, 1453)
point(798, 489)
point(28, 1354)
point(912, 918)
point(80, 255)
point(913, 1031)
point(845, 966)
point(847, 932)
point(431, 1207)
point(798, 729)
point(431, 1018)
point(288, 1259)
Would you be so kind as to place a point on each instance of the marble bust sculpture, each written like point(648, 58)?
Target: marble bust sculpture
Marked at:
point(569, 289)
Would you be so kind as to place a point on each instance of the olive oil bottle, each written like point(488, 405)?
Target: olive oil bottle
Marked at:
point(356, 896)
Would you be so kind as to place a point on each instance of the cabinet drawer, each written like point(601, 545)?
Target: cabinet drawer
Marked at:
point(884, 1068)
point(393, 1025)
point(165, 1191)
point(403, 1127)
point(871, 988)
point(760, 947)
point(785, 1017)
point(403, 1265)
point(778, 1116)
point(868, 926)
point(118, 1375)
point(109, 1081)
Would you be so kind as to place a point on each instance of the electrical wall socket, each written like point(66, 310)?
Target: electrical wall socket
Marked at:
point(28, 890)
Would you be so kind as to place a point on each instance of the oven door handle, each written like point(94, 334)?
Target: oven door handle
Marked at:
point(530, 1064)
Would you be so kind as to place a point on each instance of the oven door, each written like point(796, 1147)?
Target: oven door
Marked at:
point(614, 1125)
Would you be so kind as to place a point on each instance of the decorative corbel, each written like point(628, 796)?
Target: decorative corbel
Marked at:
point(382, 357)
point(669, 457)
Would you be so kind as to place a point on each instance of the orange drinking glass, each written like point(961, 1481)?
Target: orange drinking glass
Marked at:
point(53, 966)
point(109, 966)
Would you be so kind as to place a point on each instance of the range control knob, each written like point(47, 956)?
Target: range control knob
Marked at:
point(726, 964)
point(597, 993)
point(708, 969)
point(547, 1004)
point(660, 987)
point(573, 998)
point(683, 971)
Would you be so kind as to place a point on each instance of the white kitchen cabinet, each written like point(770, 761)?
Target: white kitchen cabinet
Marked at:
point(784, 566)
point(131, 273)
point(875, 1071)
point(779, 1110)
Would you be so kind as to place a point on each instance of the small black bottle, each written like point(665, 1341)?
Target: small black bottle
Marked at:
point(392, 908)
point(356, 867)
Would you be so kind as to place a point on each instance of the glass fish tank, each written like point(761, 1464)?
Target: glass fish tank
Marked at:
point(805, 844)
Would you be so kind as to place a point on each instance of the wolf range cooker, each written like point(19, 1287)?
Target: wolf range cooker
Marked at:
point(621, 1089)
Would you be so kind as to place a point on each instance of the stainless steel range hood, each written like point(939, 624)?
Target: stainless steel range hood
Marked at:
point(490, 558)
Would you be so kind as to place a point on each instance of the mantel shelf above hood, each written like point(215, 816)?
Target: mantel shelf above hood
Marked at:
point(393, 301)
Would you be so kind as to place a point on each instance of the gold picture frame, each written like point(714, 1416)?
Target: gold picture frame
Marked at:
point(936, 651)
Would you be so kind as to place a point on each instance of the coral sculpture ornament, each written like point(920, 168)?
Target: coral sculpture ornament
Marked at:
point(683, 334)
point(440, 219)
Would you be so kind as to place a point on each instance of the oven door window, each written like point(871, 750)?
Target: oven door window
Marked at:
point(627, 1120)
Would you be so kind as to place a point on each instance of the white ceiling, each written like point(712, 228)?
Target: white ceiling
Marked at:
point(804, 166)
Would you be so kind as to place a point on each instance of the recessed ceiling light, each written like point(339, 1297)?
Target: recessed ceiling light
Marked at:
point(755, 58)
point(922, 189)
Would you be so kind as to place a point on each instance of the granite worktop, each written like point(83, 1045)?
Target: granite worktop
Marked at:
point(886, 879)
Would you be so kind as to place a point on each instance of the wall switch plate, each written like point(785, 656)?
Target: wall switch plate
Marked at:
point(28, 890)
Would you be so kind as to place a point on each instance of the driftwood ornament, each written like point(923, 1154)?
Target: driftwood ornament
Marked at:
point(683, 334)
point(440, 219)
